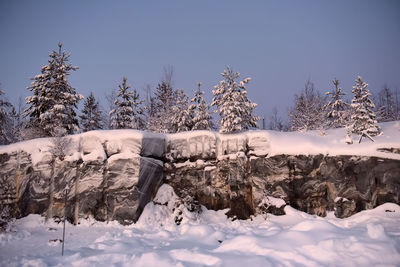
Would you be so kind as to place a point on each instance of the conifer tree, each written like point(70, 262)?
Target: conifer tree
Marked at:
point(52, 106)
point(232, 104)
point(337, 108)
point(162, 108)
point(138, 121)
point(91, 118)
point(127, 113)
point(202, 119)
point(363, 118)
point(182, 115)
point(6, 120)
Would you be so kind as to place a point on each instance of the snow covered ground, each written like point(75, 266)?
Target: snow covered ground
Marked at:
point(368, 238)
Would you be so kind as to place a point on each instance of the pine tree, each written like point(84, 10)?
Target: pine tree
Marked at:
point(308, 113)
point(91, 118)
point(138, 120)
point(128, 111)
point(52, 106)
point(202, 119)
point(232, 104)
point(182, 114)
point(7, 112)
point(162, 108)
point(337, 108)
point(363, 118)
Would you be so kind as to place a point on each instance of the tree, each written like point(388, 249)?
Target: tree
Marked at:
point(110, 98)
point(308, 113)
point(162, 108)
point(232, 104)
point(363, 119)
point(91, 118)
point(54, 100)
point(128, 112)
point(138, 120)
point(337, 108)
point(182, 115)
point(275, 122)
point(6, 120)
point(202, 119)
point(386, 106)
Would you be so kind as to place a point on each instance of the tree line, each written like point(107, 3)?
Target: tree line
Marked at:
point(52, 107)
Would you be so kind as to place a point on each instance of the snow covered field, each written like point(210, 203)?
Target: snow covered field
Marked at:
point(368, 238)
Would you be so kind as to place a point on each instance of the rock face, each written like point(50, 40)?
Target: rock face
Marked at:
point(109, 179)
point(240, 175)
point(317, 184)
point(114, 174)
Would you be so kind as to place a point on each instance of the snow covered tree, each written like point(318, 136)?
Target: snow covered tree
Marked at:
point(128, 112)
point(386, 108)
point(202, 119)
point(182, 114)
point(54, 100)
point(7, 112)
point(91, 118)
point(162, 108)
point(138, 120)
point(363, 119)
point(337, 109)
point(308, 113)
point(232, 104)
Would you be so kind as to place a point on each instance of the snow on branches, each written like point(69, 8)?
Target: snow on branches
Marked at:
point(202, 119)
point(232, 104)
point(337, 109)
point(363, 119)
point(91, 118)
point(308, 112)
point(54, 101)
point(128, 112)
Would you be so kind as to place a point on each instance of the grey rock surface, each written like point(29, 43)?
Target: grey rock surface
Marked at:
point(114, 178)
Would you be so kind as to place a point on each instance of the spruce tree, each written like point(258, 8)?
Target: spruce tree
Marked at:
point(138, 121)
point(91, 118)
point(202, 119)
point(232, 103)
point(337, 108)
point(52, 106)
point(162, 108)
point(182, 115)
point(363, 118)
point(128, 112)
point(7, 112)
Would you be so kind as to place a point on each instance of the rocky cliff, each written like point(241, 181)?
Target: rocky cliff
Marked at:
point(112, 175)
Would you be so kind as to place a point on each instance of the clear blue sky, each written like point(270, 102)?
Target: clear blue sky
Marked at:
point(279, 44)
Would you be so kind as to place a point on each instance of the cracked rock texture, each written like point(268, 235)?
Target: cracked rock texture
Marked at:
point(112, 175)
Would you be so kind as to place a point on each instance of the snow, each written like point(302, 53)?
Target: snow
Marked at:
point(95, 145)
point(332, 142)
point(210, 239)
point(91, 146)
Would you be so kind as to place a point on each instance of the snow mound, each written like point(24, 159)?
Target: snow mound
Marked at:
point(368, 238)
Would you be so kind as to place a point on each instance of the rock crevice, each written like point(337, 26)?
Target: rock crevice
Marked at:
point(112, 177)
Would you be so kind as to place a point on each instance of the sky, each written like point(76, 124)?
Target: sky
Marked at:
point(279, 44)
